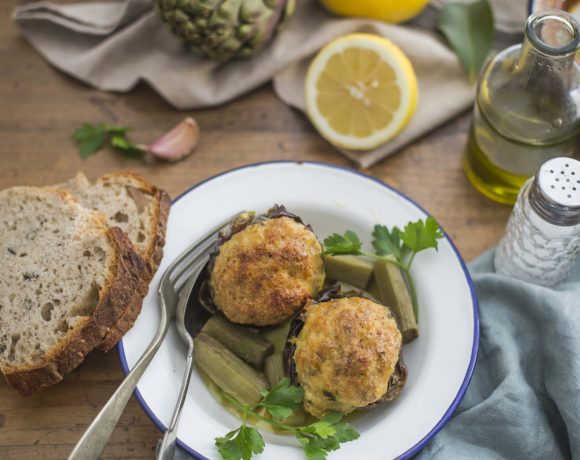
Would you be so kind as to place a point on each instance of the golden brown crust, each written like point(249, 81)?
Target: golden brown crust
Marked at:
point(345, 354)
point(266, 272)
point(120, 288)
point(152, 257)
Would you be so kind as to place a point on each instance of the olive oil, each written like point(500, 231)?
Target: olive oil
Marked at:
point(487, 149)
point(527, 107)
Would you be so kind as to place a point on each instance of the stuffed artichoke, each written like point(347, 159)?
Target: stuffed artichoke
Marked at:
point(221, 29)
point(265, 268)
point(345, 353)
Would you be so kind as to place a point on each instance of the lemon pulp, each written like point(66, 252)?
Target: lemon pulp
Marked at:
point(361, 91)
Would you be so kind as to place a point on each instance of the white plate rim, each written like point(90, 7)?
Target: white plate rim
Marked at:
point(472, 361)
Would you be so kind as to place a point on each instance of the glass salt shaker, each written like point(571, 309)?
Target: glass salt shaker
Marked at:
point(543, 233)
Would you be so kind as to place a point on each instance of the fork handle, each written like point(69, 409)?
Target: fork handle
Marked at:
point(166, 447)
point(95, 438)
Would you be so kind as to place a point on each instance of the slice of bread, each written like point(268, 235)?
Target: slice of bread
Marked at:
point(140, 210)
point(66, 279)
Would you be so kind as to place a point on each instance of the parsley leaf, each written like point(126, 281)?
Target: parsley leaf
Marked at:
point(421, 235)
point(324, 436)
point(89, 138)
point(92, 138)
point(393, 246)
point(321, 428)
point(345, 432)
point(316, 448)
point(240, 444)
point(282, 400)
point(388, 242)
point(348, 243)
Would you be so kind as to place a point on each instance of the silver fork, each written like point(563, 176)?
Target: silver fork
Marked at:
point(175, 282)
point(166, 446)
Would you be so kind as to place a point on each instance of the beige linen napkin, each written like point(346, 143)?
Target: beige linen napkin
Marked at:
point(114, 45)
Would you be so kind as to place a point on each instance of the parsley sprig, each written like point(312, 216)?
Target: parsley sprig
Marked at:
point(91, 138)
point(318, 438)
point(395, 246)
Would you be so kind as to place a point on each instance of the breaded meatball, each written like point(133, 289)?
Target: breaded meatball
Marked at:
point(345, 354)
point(267, 271)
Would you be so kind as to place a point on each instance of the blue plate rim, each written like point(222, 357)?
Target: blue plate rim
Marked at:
point(462, 389)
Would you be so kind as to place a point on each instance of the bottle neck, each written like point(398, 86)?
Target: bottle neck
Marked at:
point(549, 47)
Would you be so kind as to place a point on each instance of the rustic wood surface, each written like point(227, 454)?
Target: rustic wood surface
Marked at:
point(39, 109)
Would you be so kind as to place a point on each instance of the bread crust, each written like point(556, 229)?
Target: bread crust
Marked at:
point(152, 257)
point(124, 284)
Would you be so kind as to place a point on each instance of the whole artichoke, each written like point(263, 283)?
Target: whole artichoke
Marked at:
point(221, 29)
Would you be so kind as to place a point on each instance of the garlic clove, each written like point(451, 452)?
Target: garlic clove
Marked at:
point(177, 143)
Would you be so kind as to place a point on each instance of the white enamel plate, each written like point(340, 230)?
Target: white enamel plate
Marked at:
point(331, 199)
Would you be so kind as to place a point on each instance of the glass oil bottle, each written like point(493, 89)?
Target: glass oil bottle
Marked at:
point(527, 107)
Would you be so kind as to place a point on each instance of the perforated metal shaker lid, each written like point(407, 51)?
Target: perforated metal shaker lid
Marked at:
point(555, 193)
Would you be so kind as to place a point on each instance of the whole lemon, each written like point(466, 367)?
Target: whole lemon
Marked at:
point(385, 10)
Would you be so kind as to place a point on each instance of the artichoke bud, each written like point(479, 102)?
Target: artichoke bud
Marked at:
point(252, 11)
point(245, 31)
point(207, 4)
point(228, 11)
point(275, 4)
point(188, 29)
point(246, 51)
point(180, 17)
point(231, 44)
point(221, 29)
point(200, 23)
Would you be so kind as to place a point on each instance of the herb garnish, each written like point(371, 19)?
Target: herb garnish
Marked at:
point(318, 438)
point(92, 138)
point(395, 246)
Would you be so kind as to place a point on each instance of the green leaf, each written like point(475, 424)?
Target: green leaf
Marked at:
point(89, 138)
point(328, 444)
point(388, 242)
point(332, 417)
point(228, 448)
point(314, 452)
point(468, 28)
point(324, 436)
point(345, 432)
point(421, 235)
point(282, 400)
point(321, 428)
point(254, 441)
point(240, 444)
point(348, 243)
point(92, 138)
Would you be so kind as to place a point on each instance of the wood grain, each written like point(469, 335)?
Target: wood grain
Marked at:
point(39, 109)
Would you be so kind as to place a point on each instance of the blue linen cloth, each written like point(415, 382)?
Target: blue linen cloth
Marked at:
point(523, 401)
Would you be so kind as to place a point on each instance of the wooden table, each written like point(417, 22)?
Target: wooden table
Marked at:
point(39, 109)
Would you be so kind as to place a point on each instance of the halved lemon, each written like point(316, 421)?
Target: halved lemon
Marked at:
point(361, 91)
